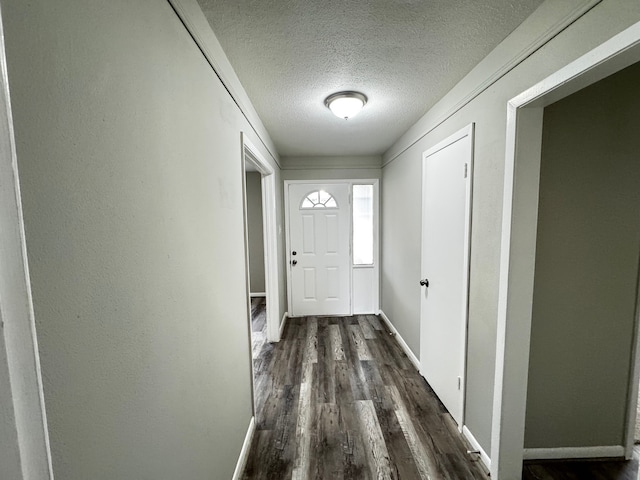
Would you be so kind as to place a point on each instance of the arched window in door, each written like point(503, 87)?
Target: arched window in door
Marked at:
point(318, 199)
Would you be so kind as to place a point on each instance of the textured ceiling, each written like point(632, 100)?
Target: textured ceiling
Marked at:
point(403, 54)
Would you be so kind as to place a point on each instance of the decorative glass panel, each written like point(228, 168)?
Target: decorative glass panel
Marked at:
point(319, 199)
point(363, 224)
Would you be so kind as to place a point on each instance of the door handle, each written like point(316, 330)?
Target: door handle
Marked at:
point(424, 283)
point(294, 262)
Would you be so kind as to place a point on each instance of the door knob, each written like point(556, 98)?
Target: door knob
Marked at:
point(424, 283)
point(294, 253)
point(294, 262)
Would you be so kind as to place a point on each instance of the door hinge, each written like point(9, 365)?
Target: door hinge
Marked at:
point(459, 383)
point(466, 170)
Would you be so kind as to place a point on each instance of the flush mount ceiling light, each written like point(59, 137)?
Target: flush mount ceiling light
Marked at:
point(345, 104)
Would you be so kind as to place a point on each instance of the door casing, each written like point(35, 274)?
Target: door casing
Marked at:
point(375, 268)
point(24, 434)
point(518, 248)
point(251, 154)
point(465, 134)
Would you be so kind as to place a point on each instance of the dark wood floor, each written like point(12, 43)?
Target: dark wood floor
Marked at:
point(582, 470)
point(258, 325)
point(338, 399)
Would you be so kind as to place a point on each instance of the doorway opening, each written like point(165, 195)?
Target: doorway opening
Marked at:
point(255, 250)
point(253, 161)
point(263, 306)
point(332, 232)
point(519, 265)
point(586, 270)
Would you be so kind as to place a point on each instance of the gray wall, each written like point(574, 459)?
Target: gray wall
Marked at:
point(332, 174)
point(401, 210)
point(129, 155)
point(331, 168)
point(586, 267)
point(255, 232)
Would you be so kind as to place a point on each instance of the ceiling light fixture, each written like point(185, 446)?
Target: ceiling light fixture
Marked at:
point(345, 104)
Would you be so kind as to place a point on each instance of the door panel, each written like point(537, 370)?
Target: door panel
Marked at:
point(308, 235)
point(333, 235)
point(445, 232)
point(319, 234)
point(309, 283)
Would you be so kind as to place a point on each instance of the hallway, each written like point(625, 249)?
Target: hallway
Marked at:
point(127, 127)
point(337, 398)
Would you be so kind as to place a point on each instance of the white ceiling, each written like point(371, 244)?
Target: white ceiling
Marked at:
point(403, 54)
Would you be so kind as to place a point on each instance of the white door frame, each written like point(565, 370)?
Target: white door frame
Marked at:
point(376, 233)
point(24, 436)
point(518, 249)
point(376, 246)
point(250, 154)
point(467, 131)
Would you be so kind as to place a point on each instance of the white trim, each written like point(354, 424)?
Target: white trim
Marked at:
point(272, 286)
point(634, 380)
point(193, 19)
point(521, 189)
point(376, 240)
point(283, 323)
point(257, 294)
point(512, 362)
point(376, 232)
point(468, 131)
point(287, 244)
point(567, 453)
point(22, 404)
point(269, 224)
point(476, 446)
point(244, 453)
point(247, 273)
point(400, 340)
point(476, 85)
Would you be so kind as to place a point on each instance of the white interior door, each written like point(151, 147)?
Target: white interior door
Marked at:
point(446, 186)
point(319, 256)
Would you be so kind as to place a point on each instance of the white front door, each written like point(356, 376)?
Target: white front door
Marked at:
point(319, 257)
point(446, 186)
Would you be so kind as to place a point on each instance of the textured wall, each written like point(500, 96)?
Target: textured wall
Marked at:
point(332, 174)
point(401, 193)
point(129, 155)
point(255, 232)
point(401, 196)
point(331, 168)
point(586, 267)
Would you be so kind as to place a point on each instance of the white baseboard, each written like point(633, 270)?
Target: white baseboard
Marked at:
point(476, 446)
point(400, 340)
point(283, 322)
point(244, 453)
point(258, 294)
point(611, 451)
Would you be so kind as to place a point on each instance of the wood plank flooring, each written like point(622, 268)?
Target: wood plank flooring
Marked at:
point(338, 399)
point(258, 325)
point(582, 469)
